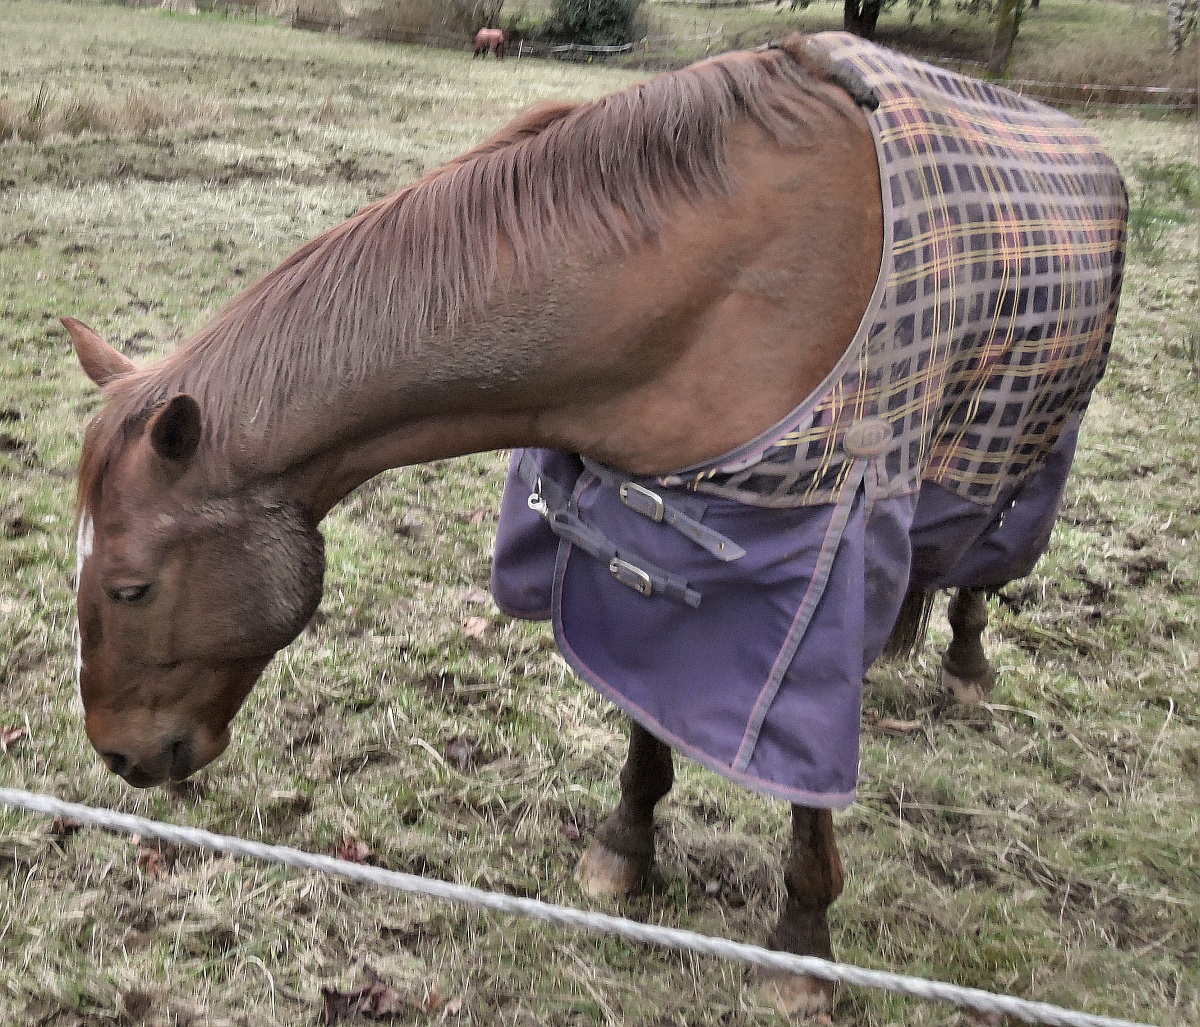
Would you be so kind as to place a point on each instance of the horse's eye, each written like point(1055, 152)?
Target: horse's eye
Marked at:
point(127, 593)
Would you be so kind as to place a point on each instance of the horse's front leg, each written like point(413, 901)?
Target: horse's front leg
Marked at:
point(620, 855)
point(966, 673)
point(813, 878)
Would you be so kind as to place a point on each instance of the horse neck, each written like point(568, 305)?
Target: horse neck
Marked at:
point(346, 361)
point(319, 426)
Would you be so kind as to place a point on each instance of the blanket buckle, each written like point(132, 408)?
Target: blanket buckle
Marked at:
point(627, 574)
point(642, 500)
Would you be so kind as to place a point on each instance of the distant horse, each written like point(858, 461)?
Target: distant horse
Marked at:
point(489, 40)
point(794, 334)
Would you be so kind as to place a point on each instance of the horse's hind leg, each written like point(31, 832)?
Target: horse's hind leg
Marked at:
point(813, 878)
point(621, 853)
point(966, 673)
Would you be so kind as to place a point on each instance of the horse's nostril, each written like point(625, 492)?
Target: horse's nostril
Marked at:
point(117, 763)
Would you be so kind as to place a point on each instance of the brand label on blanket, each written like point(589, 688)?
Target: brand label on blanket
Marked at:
point(867, 438)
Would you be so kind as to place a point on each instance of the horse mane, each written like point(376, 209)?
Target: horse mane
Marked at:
point(560, 181)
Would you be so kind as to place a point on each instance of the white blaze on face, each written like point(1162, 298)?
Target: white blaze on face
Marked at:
point(83, 549)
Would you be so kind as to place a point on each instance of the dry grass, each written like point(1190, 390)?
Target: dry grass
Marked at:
point(32, 126)
point(86, 114)
point(8, 119)
point(1047, 846)
point(142, 112)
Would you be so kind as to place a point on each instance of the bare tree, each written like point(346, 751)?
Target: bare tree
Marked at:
point(861, 16)
point(1181, 21)
point(1008, 20)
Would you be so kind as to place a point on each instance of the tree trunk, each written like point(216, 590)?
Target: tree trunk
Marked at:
point(860, 17)
point(1008, 20)
point(1181, 19)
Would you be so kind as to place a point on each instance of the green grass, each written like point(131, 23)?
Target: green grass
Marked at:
point(1049, 846)
point(1063, 41)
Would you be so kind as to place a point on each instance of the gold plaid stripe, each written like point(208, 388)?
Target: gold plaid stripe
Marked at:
point(1005, 249)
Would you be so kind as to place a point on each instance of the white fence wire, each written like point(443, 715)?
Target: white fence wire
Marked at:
point(668, 937)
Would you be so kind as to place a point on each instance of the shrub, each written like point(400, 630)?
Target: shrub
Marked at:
point(595, 22)
point(1162, 195)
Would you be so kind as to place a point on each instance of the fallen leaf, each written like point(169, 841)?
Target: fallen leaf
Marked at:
point(462, 752)
point(477, 596)
point(898, 727)
point(353, 850)
point(379, 999)
point(64, 827)
point(454, 1006)
point(157, 860)
point(376, 1000)
point(475, 627)
point(431, 1001)
point(477, 517)
point(9, 737)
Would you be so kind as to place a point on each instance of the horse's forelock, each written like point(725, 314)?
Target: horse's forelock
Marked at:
point(130, 401)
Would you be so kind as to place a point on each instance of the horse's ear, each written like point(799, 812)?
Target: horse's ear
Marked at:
point(100, 361)
point(175, 429)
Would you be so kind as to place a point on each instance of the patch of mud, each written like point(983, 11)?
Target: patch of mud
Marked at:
point(948, 863)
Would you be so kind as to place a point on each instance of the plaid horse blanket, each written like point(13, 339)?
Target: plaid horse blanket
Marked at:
point(733, 608)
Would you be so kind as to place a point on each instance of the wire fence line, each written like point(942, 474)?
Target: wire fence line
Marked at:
point(669, 937)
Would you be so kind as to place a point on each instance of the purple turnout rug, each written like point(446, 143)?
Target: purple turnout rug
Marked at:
point(733, 608)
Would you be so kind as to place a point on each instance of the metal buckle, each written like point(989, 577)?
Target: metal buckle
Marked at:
point(642, 500)
point(634, 577)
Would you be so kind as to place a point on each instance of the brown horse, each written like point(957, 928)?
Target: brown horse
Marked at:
point(735, 212)
point(489, 40)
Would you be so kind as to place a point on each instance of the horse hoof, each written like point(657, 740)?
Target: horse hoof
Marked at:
point(964, 692)
point(603, 873)
point(797, 996)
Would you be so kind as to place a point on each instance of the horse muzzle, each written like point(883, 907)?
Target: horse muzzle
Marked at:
point(174, 761)
point(171, 757)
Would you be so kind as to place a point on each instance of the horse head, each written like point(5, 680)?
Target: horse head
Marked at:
point(187, 586)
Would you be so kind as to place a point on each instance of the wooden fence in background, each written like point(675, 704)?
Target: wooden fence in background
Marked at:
point(1059, 94)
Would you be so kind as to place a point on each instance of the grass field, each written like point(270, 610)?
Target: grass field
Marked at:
point(1048, 846)
point(1119, 43)
point(1062, 41)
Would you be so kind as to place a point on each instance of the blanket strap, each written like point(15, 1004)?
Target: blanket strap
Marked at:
point(679, 512)
point(553, 502)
